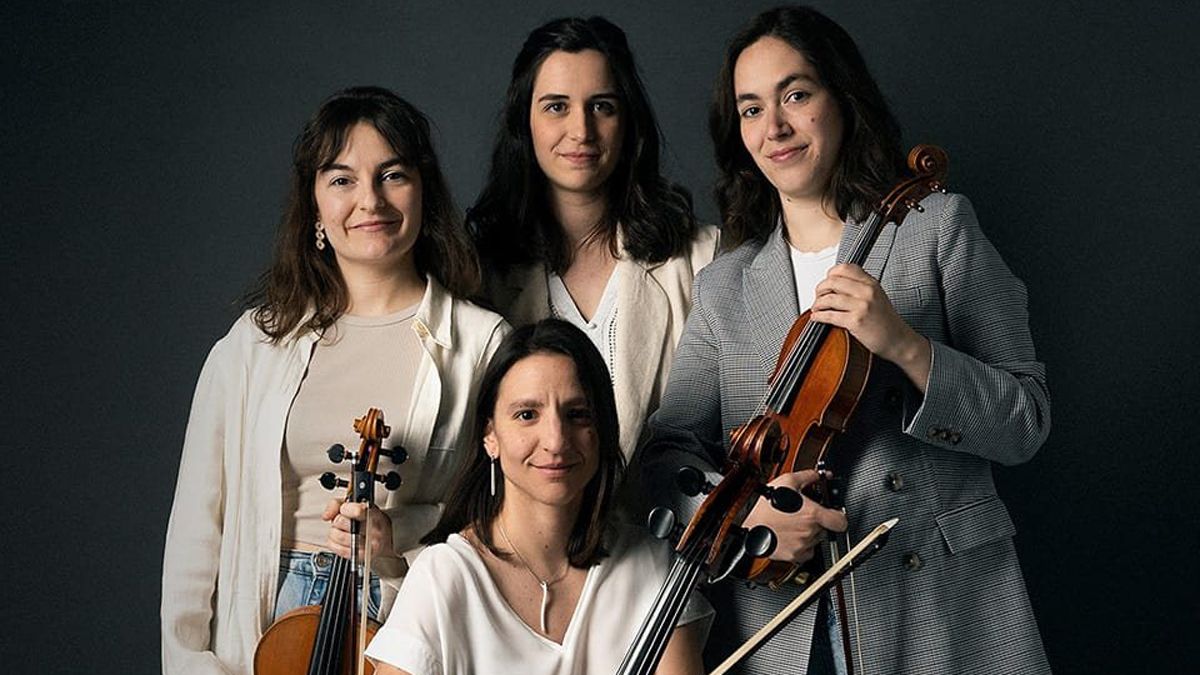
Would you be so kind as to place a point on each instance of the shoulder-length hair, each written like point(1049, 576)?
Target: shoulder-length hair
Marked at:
point(303, 287)
point(512, 221)
point(469, 503)
point(870, 159)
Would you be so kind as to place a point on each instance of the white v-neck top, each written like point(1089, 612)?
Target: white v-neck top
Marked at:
point(602, 329)
point(810, 269)
point(450, 618)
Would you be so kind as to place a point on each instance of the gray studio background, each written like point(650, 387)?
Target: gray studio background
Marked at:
point(145, 151)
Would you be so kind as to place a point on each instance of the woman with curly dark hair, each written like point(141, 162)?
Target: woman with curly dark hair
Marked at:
point(576, 221)
point(806, 146)
point(361, 307)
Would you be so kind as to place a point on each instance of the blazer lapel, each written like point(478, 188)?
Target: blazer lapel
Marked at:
point(643, 309)
point(878, 257)
point(771, 305)
point(526, 285)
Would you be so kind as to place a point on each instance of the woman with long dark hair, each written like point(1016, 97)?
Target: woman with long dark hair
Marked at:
point(525, 571)
point(806, 146)
point(362, 307)
point(576, 221)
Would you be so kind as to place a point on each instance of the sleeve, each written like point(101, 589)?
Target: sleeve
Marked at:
point(986, 394)
point(686, 428)
point(409, 639)
point(193, 544)
point(410, 522)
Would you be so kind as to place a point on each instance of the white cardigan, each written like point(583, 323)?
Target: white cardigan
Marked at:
point(653, 300)
point(221, 564)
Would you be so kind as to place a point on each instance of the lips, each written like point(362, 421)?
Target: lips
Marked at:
point(785, 154)
point(373, 225)
point(555, 469)
point(580, 157)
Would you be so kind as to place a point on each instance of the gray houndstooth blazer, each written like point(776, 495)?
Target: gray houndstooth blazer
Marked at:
point(946, 594)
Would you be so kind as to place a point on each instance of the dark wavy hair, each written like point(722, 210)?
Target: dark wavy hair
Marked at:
point(512, 222)
point(303, 285)
point(870, 159)
point(468, 503)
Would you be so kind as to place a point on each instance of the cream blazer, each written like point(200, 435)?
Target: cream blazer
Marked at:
point(653, 301)
point(221, 564)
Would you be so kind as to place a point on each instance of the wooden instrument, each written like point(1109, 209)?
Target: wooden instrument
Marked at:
point(819, 377)
point(329, 638)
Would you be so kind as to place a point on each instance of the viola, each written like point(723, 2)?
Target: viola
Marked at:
point(819, 377)
point(330, 638)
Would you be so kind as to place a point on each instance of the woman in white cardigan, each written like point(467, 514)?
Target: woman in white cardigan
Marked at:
point(361, 308)
point(576, 221)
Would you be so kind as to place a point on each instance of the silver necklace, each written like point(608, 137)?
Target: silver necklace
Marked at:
point(544, 583)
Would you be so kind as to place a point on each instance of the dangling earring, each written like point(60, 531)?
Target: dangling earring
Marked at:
point(320, 236)
point(493, 472)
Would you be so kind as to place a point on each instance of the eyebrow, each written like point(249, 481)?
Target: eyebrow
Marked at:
point(538, 405)
point(564, 97)
point(334, 166)
point(783, 84)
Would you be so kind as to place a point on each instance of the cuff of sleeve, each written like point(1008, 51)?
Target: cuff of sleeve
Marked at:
point(404, 653)
point(930, 421)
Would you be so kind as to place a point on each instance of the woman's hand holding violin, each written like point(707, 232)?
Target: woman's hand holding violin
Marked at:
point(852, 299)
point(339, 514)
point(796, 534)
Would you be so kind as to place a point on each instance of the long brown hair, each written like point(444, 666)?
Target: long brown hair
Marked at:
point(468, 502)
point(512, 222)
point(304, 285)
point(870, 158)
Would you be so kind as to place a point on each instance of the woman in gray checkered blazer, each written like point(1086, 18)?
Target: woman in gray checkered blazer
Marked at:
point(805, 145)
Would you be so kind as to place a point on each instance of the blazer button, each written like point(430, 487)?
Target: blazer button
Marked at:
point(934, 431)
point(895, 481)
point(955, 437)
point(944, 434)
point(422, 331)
point(892, 399)
point(912, 562)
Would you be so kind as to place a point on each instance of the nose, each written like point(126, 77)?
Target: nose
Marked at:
point(370, 197)
point(554, 434)
point(581, 124)
point(777, 124)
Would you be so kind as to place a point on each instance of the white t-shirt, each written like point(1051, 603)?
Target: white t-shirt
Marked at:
point(451, 619)
point(810, 269)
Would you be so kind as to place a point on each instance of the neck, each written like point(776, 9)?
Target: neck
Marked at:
point(378, 292)
point(811, 224)
point(578, 213)
point(539, 532)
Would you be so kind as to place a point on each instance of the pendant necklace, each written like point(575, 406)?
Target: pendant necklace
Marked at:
point(544, 583)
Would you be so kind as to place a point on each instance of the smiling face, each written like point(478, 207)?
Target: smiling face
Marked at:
point(369, 202)
point(575, 120)
point(542, 433)
point(790, 122)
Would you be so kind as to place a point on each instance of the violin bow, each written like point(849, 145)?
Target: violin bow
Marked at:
point(853, 558)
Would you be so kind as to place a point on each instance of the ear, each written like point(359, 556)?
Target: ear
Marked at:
point(489, 441)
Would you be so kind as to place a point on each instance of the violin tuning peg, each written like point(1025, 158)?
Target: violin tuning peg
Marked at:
point(398, 454)
point(391, 481)
point(330, 481)
point(661, 522)
point(691, 481)
point(336, 452)
point(759, 541)
point(784, 499)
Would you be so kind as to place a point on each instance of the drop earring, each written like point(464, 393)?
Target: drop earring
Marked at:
point(320, 236)
point(493, 477)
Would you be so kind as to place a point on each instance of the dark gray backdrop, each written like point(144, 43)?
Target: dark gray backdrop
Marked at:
point(146, 152)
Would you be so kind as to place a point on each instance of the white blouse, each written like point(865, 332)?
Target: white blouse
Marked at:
point(451, 619)
point(602, 329)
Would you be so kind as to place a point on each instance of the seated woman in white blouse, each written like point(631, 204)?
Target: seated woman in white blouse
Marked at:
point(525, 572)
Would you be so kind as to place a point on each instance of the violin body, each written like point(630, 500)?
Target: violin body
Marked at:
point(286, 647)
point(820, 409)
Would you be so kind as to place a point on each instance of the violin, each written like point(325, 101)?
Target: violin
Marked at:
point(330, 638)
point(819, 377)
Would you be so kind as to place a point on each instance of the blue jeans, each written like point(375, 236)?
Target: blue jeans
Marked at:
point(303, 578)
